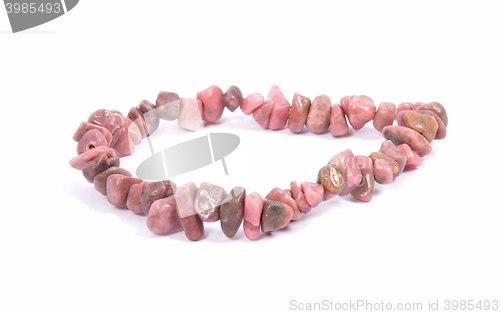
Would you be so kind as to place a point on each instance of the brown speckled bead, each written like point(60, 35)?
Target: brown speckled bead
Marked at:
point(231, 211)
point(318, 119)
point(424, 124)
point(438, 109)
point(284, 196)
point(232, 98)
point(98, 165)
point(392, 163)
point(400, 135)
point(298, 113)
point(275, 215)
point(332, 179)
point(154, 190)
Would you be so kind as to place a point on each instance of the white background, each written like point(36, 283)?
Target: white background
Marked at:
point(433, 234)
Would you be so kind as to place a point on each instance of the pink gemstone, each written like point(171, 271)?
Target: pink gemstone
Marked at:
point(163, 217)
point(100, 180)
point(190, 115)
point(93, 138)
point(298, 113)
point(404, 106)
point(382, 171)
point(79, 161)
point(395, 153)
point(344, 103)
point(346, 163)
point(124, 145)
point(134, 198)
point(338, 122)
point(253, 208)
point(251, 103)
point(318, 118)
point(361, 110)
point(413, 159)
point(400, 134)
point(109, 119)
point(364, 191)
point(299, 198)
point(117, 187)
point(213, 107)
point(85, 127)
point(191, 223)
point(281, 109)
point(251, 232)
point(313, 192)
point(280, 195)
point(441, 132)
point(263, 113)
point(252, 215)
point(385, 115)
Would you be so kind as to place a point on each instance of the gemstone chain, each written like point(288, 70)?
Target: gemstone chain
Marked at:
point(107, 135)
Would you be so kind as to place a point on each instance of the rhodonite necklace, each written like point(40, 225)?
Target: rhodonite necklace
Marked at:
point(107, 135)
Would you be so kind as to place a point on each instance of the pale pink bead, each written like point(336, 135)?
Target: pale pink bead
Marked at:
point(361, 109)
point(251, 232)
point(251, 103)
point(134, 198)
point(405, 106)
point(395, 153)
point(79, 161)
point(163, 217)
point(313, 193)
point(385, 115)
point(117, 187)
point(84, 127)
point(252, 215)
point(281, 109)
point(318, 118)
point(93, 138)
point(213, 107)
point(299, 197)
point(338, 122)
point(382, 171)
point(190, 115)
point(413, 159)
point(262, 114)
point(344, 103)
point(185, 196)
point(125, 145)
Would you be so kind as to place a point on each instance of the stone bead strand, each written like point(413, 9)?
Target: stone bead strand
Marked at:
point(108, 135)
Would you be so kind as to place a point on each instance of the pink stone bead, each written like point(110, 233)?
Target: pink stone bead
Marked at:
point(364, 191)
point(100, 180)
point(399, 135)
point(277, 194)
point(338, 122)
point(79, 161)
point(382, 171)
point(299, 198)
point(136, 116)
point(281, 108)
point(404, 106)
point(344, 103)
point(385, 115)
point(318, 119)
point(190, 115)
point(395, 153)
point(134, 198)
point(346, 163)
point(251, 103)
point(441, 132)
point(208, 200)
point(298, 113)
point(361, 109)
point(413, 159)
point(313, 193)
point(191, 223)
point(163, 217)
point(109, 119)
point(93, 138)
point(437, 108)
point(117, 187)
point(263, 113)
point(252, 215)
point(125, 144)
point(98, 165)
point(85, 127)
point(275, 215)
point(213, 107)
point(232, 98)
